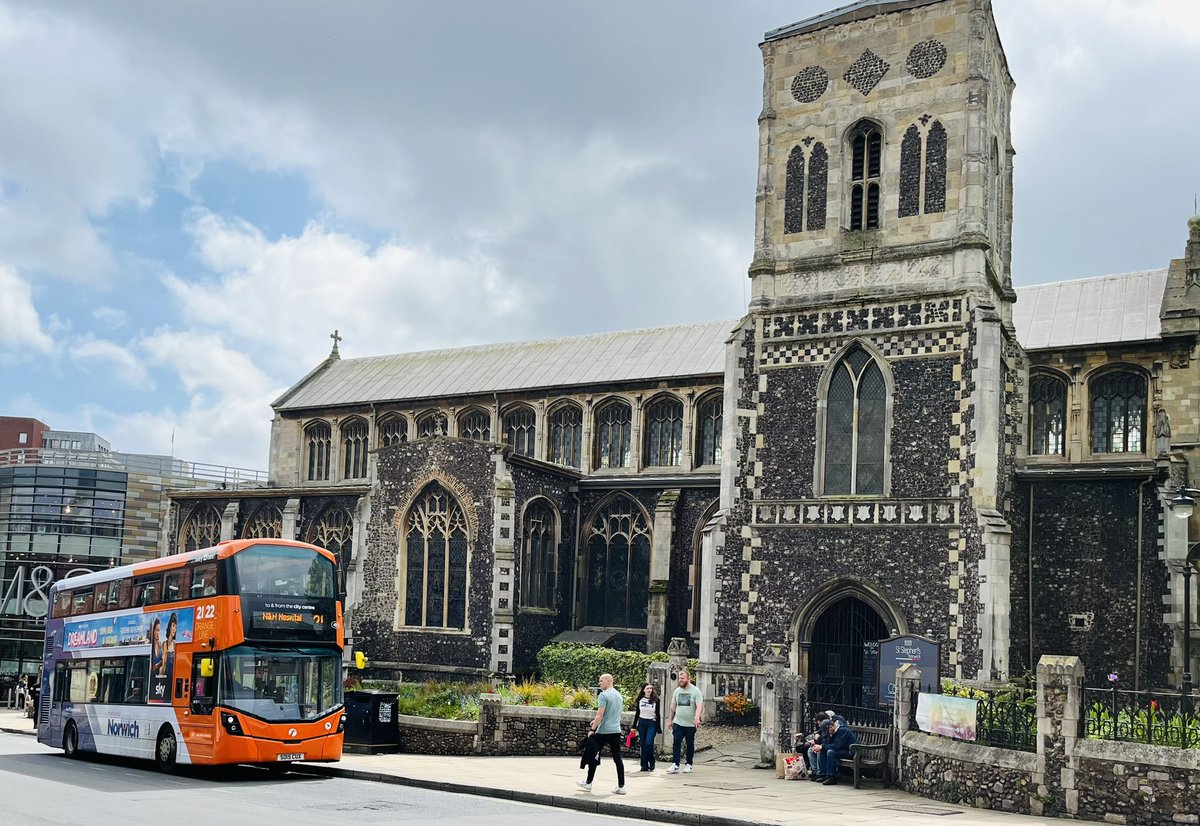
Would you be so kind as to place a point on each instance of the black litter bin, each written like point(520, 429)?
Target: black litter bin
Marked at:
point(372, 724)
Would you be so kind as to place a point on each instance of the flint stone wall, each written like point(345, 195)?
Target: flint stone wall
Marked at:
point(511, 730)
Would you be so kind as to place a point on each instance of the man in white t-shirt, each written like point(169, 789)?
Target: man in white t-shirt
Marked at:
point(687, 705)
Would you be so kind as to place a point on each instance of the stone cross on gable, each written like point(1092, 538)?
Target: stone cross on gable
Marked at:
point(336, 338)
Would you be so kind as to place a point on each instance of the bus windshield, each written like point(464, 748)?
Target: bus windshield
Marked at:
point(281, 684)
point(281, 570)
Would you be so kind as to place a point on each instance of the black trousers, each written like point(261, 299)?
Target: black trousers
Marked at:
point(613, 741)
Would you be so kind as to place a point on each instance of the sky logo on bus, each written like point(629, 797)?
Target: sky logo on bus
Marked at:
point(123, 728)
point(85, 638)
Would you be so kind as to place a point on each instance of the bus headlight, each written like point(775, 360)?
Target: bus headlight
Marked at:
point(230, 722)
point(341, 724)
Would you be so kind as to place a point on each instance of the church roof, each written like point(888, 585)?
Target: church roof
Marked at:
point(629, 355)
point(844, 14)
point(1106, 310)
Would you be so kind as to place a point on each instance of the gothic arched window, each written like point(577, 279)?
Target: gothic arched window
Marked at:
point(435, 561)
point(393, 430)
point(520, 429)
point(538, 557)
point(334, 532)
point(317, 441)
point(618, 566)
point(664, 432)
point(431, 424)
point(935, 169)
point(201, 530)
point(566, 436)
point(1047, 415)
point(855, 426)
point(613, 425)
point(805, 195)
point(354, 449)
point(265, 523)
point(475, 424)
point(1118, 408)
point(708, 429)
point(866, 168)
point(923, 169)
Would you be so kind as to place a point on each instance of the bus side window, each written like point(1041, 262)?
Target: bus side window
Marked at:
point(114, 595)
point(62, 604)
point(137, 669)
point(176, 585)
point(124, 593)
point(204, 581)
point(147, 590)
point(82, 603)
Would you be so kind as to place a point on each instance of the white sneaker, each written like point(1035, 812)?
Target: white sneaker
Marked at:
point(619, 790)
point(687, 769)
point(583, 784)
point(674, 768)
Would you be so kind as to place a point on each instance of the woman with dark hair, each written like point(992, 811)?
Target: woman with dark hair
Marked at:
point(168, 663)
point(649, 720)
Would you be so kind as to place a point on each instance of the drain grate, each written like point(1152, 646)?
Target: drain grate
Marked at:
point(920, 809)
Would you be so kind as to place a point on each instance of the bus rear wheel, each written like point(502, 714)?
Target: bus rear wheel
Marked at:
point(165, 749)
point(70, 744)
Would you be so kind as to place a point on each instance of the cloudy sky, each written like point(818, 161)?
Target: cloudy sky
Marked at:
point(193, 196)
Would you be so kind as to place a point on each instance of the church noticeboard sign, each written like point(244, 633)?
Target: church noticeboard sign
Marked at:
point(894, 652)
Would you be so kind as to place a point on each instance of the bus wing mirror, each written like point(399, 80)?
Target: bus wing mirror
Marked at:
point(360, 660)
point(207, 667)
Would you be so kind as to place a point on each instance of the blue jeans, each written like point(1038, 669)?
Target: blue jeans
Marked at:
point(647, 731)
point(682, 734)
point(829, 761)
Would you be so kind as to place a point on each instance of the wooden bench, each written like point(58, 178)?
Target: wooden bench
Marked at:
point(873, 751)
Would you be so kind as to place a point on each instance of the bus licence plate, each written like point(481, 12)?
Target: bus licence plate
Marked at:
point(299, 756)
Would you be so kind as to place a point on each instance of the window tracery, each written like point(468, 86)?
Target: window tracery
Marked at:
point(613, 427)
point(265, 523)
point(566, 436)
point(201, 530)
point(318, 439)
point(520, 430)
point(708, 430)
point(1047, 415)
point(855, 425)
point(475, 425)
point(354, 449)
point(393, 430)
point(435, 561)
point(664, 432)
point(866, 151)
point(618, 566)
point(538, 556)
point(1118, 411)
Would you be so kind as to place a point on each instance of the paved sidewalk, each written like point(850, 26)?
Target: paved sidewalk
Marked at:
point(724, 789)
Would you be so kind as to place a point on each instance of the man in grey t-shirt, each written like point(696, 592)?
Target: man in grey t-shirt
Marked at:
point(687, 705)
point(606, 728)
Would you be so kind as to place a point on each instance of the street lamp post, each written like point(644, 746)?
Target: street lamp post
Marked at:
point(1187, 627)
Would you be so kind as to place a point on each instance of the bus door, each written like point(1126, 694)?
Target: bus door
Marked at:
point(197, 722)
point(58, 693)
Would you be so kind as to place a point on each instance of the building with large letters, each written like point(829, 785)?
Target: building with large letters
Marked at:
point(891, 438)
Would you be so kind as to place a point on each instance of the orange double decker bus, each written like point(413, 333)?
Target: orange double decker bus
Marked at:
point(229, 654)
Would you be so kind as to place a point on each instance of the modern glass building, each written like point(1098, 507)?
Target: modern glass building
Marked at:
point(65, 512)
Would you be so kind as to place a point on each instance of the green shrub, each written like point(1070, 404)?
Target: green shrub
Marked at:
point(552, 695)
point(580, 698)
point(575, 664)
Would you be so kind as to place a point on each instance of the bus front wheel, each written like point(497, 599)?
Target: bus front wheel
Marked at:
point(71, 740)
point(165, 750)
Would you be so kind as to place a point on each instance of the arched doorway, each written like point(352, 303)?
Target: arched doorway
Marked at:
point(843, 654)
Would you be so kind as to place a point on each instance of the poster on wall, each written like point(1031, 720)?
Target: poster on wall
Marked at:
point(948, 716)
point(924, 653)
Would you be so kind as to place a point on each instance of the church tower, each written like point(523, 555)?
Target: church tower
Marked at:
point(873, 387)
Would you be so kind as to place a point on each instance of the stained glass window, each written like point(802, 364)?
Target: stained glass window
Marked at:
point(708, 430)
point(566, 435)
point(334, 531)
point(435, 567)
point(201, 530)
point(520, 428)
point(613, 424)
point(538, 568)
point(618, 572)
point(318, 438)
point(475, 424)
point(1118, 412)
point(354, 449)
point(855, 426)
point(664, 433)
point(431, 424)
point(1047, 415)
point(265, 523)
point(393, 430)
